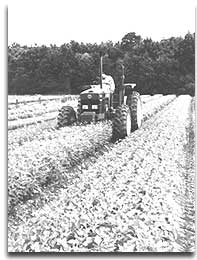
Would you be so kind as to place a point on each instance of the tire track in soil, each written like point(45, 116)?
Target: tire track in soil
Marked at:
point(186, 239)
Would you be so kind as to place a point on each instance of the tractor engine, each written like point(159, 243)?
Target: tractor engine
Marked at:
point(93, 104)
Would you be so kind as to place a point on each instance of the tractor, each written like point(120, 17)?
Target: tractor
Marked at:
point(105, 101)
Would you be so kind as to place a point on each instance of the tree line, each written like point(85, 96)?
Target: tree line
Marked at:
point(165, 67)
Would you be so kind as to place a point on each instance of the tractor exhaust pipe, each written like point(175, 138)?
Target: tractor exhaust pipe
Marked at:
point(101, 70)
point(122, 89)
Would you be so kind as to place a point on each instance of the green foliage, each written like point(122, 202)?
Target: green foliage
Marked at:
point(130, 41)
point(65, 152)
point(157, 67)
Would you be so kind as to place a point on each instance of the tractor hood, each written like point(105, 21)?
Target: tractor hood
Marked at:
point(93, 89)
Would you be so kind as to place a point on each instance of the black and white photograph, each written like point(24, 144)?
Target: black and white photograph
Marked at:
point(100, 126)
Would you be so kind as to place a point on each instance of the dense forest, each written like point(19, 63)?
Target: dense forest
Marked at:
point(163, 67)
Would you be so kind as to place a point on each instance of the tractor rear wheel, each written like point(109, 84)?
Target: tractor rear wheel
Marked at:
point(66, 116)
point(121, 124)
point(135, 105)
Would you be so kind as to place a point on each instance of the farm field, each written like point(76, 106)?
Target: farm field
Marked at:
point(33, 110)
point(73, 190)
point(21, 99)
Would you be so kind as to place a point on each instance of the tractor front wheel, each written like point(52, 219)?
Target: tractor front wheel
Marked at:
point(121, 124)
point(66, 116)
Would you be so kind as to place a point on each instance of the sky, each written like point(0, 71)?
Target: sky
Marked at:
point(58, 22)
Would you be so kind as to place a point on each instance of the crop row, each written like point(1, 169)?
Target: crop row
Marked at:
point(24, 99)
point(28, 112)
point(36, 164)
point(150, 108)
point(42, 131)
point(39, 131)
point(38, 117)
point(147, 98)
point(32, 121)
point(46, 131)
point(31, 110)
point(129, 200)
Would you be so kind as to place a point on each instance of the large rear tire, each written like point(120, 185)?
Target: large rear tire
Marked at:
point(121, 124)
point(66, 116)
point(135, 105)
